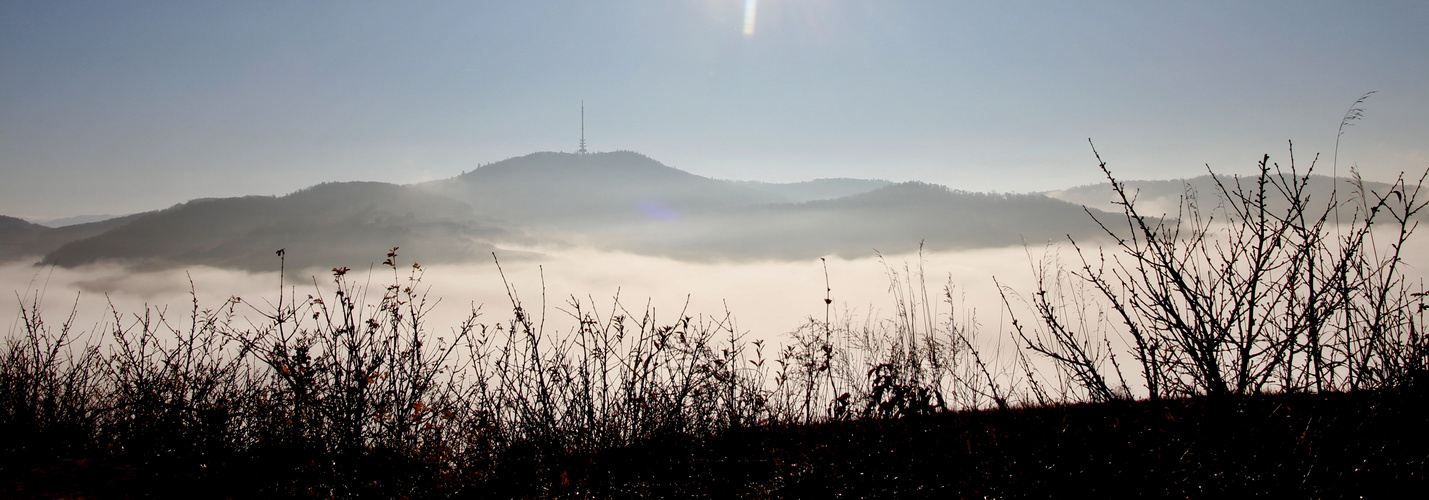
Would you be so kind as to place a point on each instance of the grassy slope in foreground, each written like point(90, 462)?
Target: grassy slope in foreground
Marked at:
point(1302, 445)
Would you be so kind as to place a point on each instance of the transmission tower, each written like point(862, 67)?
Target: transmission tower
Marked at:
point(582, 149)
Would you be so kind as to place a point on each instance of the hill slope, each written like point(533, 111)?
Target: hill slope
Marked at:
point(1155, 198)
point(20, 239)
point(891, 219)
point(620, 201)
point(569, 191)
point(817, 189)
point(326, 225)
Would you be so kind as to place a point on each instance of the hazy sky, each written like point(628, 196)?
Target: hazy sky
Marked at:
point(126, 106)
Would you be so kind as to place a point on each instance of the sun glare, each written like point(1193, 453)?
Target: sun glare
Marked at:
point(749, 8)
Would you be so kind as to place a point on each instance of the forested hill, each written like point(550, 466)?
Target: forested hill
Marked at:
point(621, 201)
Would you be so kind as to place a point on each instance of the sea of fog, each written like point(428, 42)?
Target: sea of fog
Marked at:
point(765, 299)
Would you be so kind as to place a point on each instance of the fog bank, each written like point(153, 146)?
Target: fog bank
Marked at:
point(766, 298)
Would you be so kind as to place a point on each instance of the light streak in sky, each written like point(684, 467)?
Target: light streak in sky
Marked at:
point(749, 8)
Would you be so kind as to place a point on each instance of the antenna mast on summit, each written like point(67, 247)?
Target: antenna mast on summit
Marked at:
point(582, 149)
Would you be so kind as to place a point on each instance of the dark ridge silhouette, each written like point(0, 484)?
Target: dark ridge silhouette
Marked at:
point(567, 191)
point(629, 202)
point(817, 189)
point(327, 224)
point(621, 201)
point(18, 236)
point(20, 239)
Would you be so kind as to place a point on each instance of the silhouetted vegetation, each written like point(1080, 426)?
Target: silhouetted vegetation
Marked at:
point(1276, 352)
point(1242, 297)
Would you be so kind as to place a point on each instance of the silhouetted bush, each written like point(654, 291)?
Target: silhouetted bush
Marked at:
point(1239, 298)
point(351, 393)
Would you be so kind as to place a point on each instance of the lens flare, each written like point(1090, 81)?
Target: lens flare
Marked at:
point(749, 8)
point(658, 211)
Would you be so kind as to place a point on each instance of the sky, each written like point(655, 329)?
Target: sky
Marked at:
point(119, 107)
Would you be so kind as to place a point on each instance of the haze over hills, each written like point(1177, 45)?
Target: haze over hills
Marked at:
point(892, 219)
point(1154, 198)
point(626, 201)
point(70, 221)
point(817, 189)
point(617, 201)
point(571, 191)
point(335, 224)
point(20, 239)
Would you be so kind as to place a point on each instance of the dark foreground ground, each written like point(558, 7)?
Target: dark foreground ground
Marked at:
point(1370, 444)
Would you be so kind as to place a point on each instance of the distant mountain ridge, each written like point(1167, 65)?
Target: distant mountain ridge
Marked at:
point(817, 189)
point(569, 190)
point(330, 224)
point(892, 219)
point(621, 201)
point(70, 221)
point(20, 239)
point(1154, 198)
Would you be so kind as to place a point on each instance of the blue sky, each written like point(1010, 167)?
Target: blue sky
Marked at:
point(115, 107)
